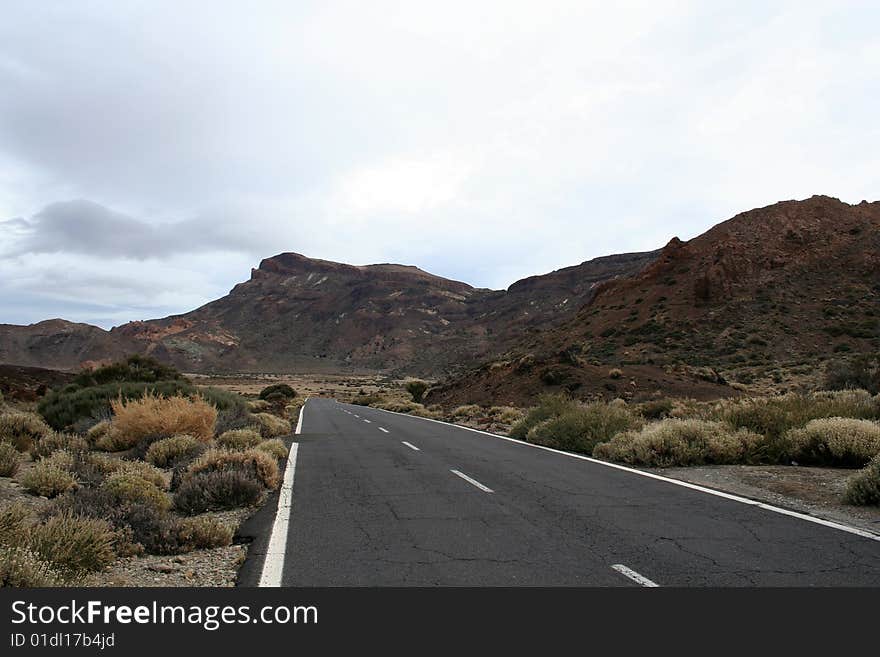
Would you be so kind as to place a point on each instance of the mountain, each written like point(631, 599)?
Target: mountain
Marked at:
point(768, 294)
point(302, 314)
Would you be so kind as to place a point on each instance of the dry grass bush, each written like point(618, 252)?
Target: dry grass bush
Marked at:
point(73, 544)
point(145, 471)
point(10, 460)
point(272, 426)
point(240, 439)
point(55, 441)
point(864, 488)
point(468, 411)
point(98, 431)
point(216, 490)
point(159, 417)
point(15, 520)
point(615, 373)
point(50, 476)
point(167, 452)
point(274, 447)
point(22, 430)
point(23, 568)
point(203, 532)
point(398, 406)
point(583, 426)
point(258, 405)
point(506, 414)
point(835, 441)
point(675, 442)
point(656, 409)
point(129, 488)
point(549, 406)
point(253, 462)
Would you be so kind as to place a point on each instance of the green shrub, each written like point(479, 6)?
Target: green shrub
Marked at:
point(548, 406)
point(50, 476)
point(417, 388)
point(582, 427)
point(203, 532)
point(10, 460)
point(74, 544)
point(216, 490)
point(281, 390)
point(54, 441)
point(674, 442)
point(223, 400)
point(22, 430)
point(864, 488)
point(239, 439)
point(273, 447)
point(859, 372)
point(167, 452)
point(129, 488)
point(23, 568)
point(253, 462)
point(272, 426)
point(133, 369)
point(836, 441)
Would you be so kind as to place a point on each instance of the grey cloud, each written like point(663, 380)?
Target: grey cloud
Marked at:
point(85, 227)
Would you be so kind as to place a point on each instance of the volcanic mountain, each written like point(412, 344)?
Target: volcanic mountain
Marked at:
point(301, 314)
point(765, 293)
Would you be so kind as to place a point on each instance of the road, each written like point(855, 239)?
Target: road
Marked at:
point(381, 499)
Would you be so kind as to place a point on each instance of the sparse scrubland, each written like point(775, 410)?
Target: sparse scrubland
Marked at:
point(131, 460)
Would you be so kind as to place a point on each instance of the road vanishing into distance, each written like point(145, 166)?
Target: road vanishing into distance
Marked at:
point(381, 499)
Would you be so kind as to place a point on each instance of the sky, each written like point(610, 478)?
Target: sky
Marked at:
point(151, 153)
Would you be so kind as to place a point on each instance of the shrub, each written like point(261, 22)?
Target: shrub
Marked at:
point(203, 532)
point(98, 431)
point(22, 568)
point(145, 471)
point(22, 430)
point(10, 460)
point(582, 427)
point(239, 439)
point(15, 520)
point(159, 417)
point(73, 404)
point(281, 390)
point(859, 372)
point(258, 405)
point(548, 406)
point(215, 490)
point(74, 544)
point(129, 488)
point(273, 447)
point(615, 373)
point(864, 488)
point(133, 369)
point(223, 400)
point(253, 462)
point(674, 442)
point(167, 452)
point(417, 388)
point(836, 441)
point(398, 406)
point(52, 442)
point(51, 476)
point(656, 409)
point(505, 414)
point(272, 426)
point(466, 411)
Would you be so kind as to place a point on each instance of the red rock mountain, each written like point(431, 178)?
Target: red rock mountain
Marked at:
point(770, 293)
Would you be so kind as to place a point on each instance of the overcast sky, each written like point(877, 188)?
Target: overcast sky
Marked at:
point(151, 153)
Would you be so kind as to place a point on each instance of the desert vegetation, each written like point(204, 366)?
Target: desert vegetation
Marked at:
point(131, 459)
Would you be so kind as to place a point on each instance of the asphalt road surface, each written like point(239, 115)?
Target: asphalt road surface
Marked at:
point(381, 499)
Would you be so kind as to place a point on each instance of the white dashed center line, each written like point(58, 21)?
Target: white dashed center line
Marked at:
point(368, 422)
point(411, 446)
point(383, 429)
point(474, 482)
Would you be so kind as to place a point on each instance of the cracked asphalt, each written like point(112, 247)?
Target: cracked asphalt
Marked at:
point(370, 511)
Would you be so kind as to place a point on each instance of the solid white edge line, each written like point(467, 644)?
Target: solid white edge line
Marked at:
point(634, 576)
point(471, 481)
point(273, 562)
point(384, 429)
point(864, 533)
point(411, 446)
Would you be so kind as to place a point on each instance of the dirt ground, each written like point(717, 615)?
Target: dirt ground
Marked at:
point(814, 491)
